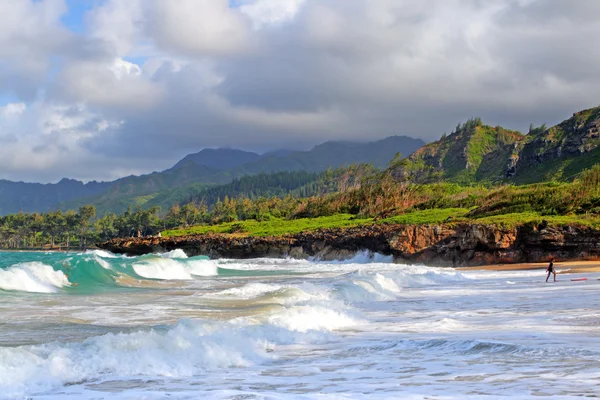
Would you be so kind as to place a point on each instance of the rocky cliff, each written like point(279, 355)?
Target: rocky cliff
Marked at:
point(443, 245)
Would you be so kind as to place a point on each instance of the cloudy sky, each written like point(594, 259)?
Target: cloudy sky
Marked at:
point(99, 89)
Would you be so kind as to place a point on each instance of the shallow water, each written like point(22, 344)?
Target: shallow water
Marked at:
point(96, 325)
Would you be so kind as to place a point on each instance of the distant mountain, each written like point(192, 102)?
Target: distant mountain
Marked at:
point(136, 191)
point(278, 153)
point(334, 155)
point(480, 153)
point(32, 197)
point(221, 159)
point(192, 174)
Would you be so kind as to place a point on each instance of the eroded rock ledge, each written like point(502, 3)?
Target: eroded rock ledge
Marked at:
point(443, 245)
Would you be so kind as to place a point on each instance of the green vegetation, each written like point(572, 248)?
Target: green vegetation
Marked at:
point(350, 197)
point(191, 180)
point(535, 219)
point(434, 216)
point(466, 156)
point(274, 227)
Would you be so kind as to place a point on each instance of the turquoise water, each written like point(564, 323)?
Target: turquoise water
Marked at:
point(96, 325)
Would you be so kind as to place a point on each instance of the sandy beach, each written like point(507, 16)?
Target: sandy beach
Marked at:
point(567, 267)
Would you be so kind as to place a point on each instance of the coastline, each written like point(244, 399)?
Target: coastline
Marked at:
point(444, 245)
point(56, 249)
point(564, 267)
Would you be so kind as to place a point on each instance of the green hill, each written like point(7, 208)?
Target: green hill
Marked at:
point(473, 152)
point(561, 152)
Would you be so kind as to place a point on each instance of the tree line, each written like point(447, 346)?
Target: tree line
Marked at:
point(260, 197)
point(359, 190)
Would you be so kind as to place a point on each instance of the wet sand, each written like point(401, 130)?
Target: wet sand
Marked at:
point(567, 267)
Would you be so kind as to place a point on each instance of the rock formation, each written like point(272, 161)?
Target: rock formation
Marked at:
point(442, 245)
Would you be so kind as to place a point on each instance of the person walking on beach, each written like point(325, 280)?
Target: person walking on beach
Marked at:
point(551, 270)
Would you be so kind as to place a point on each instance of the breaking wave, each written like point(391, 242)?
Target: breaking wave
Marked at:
point(32, 277)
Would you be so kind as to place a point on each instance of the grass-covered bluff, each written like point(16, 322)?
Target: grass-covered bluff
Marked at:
point(390, 202)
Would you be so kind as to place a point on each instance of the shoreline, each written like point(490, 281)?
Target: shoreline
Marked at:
point(443, 245)
point(564, 267)
point(40, 250)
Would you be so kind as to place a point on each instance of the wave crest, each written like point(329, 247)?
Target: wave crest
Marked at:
point(171, 269)
point(34, 277)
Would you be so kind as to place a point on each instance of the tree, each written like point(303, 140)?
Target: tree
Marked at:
point(85, 215)
point(54, 225)
point(72, 225)
point(105, 227)
point(189, 214)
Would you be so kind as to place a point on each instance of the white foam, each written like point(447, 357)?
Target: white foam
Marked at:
point(312, 317)
point(177, 253)
point(103, 263)
point(101, 253)
point(32, 277)
point(181, 351)
point(250, 290)
point(161, 268)
point(171, 269)
point(186, 349)
point(366, 257)
point(363, 286)
point(201, 267)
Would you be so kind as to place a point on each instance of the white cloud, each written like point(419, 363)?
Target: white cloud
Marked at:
point(44, 141)
point(118, 25)
point(264, 13)
point(12, 110)
point(114, 84)
point(198, 27)
point(123, 69)
point(30, 34)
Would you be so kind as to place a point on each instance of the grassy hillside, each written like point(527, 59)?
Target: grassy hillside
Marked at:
point(562, 151)
point(477, 153)
point(472, 153)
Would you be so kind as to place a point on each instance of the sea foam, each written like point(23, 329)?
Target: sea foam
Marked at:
point(172, 269)
point(32, 277)
point(101, 253)
point(186, 349)
point(177, 253)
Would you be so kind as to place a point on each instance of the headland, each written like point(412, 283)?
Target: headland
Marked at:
point(451, 245)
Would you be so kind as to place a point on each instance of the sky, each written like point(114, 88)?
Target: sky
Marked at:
point(100, 89)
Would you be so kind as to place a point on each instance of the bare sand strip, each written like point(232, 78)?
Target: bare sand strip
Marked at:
point(567, 267)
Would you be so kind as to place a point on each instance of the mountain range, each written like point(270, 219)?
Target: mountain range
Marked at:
point(206, 168)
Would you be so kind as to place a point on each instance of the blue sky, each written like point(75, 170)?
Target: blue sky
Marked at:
point(73, 19)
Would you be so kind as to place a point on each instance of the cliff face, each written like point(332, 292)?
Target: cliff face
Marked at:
point(443, 245)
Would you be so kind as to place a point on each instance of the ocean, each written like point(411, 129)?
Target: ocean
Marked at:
point(96, 325)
